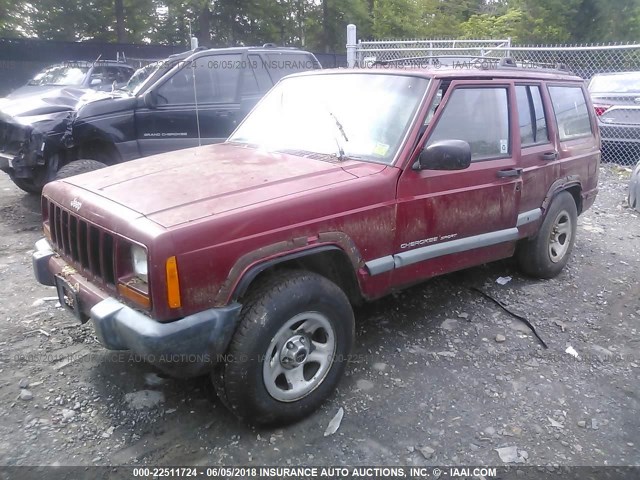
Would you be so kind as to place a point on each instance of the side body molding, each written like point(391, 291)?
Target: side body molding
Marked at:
point(390, 262)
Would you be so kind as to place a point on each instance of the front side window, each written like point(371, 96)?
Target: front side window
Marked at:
point(480, 117)
point(531, 119)
point(572, 115)
point(216, 80)
point(347, 115)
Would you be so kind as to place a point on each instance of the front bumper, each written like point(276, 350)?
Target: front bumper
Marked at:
point(186, 347)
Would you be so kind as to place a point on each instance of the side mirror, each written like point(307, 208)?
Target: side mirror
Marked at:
point(150, 99)
point(444, 155)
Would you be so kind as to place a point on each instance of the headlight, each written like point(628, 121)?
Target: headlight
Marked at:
point(140, 263)
point(133, 282)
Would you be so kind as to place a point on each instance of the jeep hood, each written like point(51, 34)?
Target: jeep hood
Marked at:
point(182, 186)
point(41, 102)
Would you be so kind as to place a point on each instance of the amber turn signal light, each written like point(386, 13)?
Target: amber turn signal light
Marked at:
point(133, 295)
point(173, 283)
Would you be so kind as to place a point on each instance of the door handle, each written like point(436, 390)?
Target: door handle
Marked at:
point(510, 172)
point(549, 156)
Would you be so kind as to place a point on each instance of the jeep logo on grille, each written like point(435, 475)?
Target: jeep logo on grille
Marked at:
point(76, 204)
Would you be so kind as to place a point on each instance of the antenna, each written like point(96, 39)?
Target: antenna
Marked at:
point(195, 90)
point(195, 97)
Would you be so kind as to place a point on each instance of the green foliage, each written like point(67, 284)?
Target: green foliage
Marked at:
point(320, 24)
point(508, 25)
point(396, 19)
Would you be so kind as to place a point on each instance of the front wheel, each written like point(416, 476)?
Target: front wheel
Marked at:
point(546, 254)
point(295, 334)
point(77, 167)
point(29, 185)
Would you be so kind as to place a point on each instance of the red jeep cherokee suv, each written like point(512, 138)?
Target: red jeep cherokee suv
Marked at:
point(243, 260)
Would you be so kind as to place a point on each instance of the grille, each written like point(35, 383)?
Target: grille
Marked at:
point(87, 246)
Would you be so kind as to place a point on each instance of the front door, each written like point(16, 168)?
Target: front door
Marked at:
point(449, 220)
point(192, 111)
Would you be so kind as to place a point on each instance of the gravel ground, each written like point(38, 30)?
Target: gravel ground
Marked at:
point(440, 374)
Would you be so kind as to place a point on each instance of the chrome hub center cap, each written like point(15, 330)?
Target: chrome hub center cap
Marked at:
point(294, 352)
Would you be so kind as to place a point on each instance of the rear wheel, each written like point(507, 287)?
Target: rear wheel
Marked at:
point(296, 331)
point(546, 254)
point(77, 167)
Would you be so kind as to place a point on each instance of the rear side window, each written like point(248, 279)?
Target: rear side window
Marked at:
point(480, 117)
point(531, 119)
point(571, 112)
point(259, 66)
point(283, 64)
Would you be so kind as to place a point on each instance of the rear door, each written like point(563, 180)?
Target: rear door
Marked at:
point(281, 64)
point(254, 83)
point(448, 220)
point(539, 150)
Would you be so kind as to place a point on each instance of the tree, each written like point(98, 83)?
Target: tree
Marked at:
point(487, 26)
point(396, 19)
point(12, 18)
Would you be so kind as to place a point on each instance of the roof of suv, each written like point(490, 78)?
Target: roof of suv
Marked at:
point(507, 73)
point(265, 48)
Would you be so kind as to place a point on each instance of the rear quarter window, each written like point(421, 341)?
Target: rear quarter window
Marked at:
point(572, 114)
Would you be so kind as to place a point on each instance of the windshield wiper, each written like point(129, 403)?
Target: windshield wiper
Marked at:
point(342, 132)
point(340, 127)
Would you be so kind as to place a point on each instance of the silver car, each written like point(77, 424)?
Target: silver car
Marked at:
point(616, 99)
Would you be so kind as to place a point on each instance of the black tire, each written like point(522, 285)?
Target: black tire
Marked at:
point(77, 167)
point(28, 185)
point(269, 310)
point(546, 254)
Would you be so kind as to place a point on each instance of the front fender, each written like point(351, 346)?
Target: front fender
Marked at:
point(250, 265)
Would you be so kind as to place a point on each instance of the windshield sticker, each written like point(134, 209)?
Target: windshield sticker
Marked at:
point(504, 146)
point(380, 149)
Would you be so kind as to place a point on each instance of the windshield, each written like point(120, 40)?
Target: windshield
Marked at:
point(137, 79)
point(363, 116)
point(622, 83)
point(60, 75)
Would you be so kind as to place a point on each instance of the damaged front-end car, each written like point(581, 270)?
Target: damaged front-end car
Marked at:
point(32, 132)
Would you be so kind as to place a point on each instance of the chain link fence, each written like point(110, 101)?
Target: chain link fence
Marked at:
point(609, 70)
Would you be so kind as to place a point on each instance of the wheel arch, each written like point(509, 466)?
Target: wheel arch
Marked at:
point(570, 184)
point(99, 149)
point(330, 261)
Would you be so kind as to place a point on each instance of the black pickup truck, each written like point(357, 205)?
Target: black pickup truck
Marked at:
point(192, 98)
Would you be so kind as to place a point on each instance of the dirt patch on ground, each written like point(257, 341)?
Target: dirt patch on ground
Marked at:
point(440, 375)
